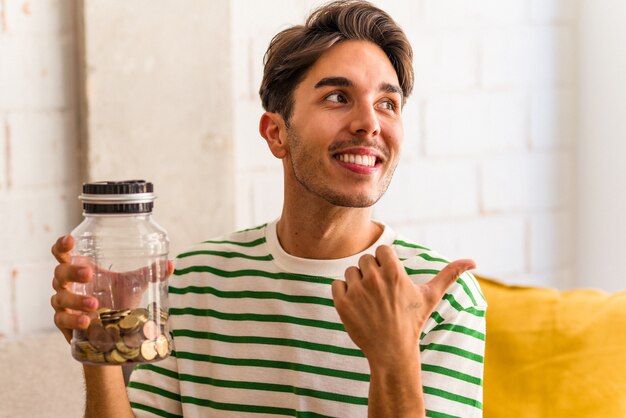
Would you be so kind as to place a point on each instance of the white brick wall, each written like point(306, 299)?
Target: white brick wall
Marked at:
point(39, 167)
point(488, 150)
point(4, 167)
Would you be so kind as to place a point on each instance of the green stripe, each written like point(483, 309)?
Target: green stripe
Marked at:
point(227, 254)
point(153, 389)
point(437, 317)
point(160, 370)
point(251, 408)
point(452, 373)
point(477, 287)
point(467, 290)
point(258, 317)
point(435, 414)
point(250, 386)
point(253, 228)
point(452, 350)
point(409, 245)
point(411, 271)
point(250, 294)
point(460, 329)
point(254, 243)
point(273, 364)
point(452, 397)
point(157, 369)
point(456, 305)
point(155, 411)
point(274, 387)
point(461, 282)
point(253, 273)
point(428, 257)
point(354, 352)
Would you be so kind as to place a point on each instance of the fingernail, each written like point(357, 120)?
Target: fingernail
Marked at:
point(83, 321)
point(90, 303)
point(65, 240)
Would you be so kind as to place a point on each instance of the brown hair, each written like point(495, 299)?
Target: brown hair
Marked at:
point(294, 50)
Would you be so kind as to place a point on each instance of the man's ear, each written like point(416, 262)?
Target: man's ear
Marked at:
point(272, 128)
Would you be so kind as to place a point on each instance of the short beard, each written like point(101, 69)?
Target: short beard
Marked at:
point(318, 187)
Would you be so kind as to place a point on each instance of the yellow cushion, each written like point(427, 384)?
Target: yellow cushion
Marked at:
point(554, 354)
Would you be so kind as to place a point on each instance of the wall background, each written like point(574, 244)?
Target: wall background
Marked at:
point(506, 131)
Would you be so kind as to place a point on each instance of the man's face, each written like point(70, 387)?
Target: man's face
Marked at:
point(345, 132)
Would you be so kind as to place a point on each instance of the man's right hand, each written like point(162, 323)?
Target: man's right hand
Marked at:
point(69, 307)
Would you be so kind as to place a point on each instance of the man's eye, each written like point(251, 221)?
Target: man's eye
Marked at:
point(336, 97)
point(388, 105)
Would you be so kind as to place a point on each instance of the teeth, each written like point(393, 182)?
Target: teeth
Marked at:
point(364, 160)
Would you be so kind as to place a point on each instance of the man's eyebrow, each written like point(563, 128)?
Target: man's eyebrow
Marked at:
point(333, 82)
point(344, 82)
point(391, 88)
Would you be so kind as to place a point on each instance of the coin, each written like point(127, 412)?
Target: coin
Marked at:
point(133, 340)
point(100, 338)
point(129, 322)
point(115, 357)
point(141, 313)
point(162, 345)
point(114, 331)
point(132, 354)
point(95, 357)
point(148, 350)
point(85, 346)
point(150, 330)
point(116, 336)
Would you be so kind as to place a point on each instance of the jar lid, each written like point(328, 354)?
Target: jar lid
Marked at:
point(126, 197)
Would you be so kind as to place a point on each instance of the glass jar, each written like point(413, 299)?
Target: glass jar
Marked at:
point(128, 254)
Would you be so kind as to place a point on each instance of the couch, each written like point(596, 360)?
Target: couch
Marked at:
point(554, 354)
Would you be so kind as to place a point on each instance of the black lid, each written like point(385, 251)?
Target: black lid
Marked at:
point(118, 187)
point(128, 196)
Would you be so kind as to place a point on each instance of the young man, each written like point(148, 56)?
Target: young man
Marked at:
point(323, 312)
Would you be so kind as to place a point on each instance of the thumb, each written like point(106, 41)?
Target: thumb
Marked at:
point(448, 275)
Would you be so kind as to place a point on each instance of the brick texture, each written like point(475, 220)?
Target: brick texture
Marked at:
point(487, 164)
point(39, 166)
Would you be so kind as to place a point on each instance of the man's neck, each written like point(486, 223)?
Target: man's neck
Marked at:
point(328, 233)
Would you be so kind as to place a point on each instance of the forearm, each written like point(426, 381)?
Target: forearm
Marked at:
point(396, 391)
point(106, 393)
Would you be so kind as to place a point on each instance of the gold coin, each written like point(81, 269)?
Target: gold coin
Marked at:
point(129, 322)
point(162, 346)
point(132, 354)
point(117, 357)
point(85, 346)
point(140, 313)
point(148, 350)
point(122, 348)
point(95, 357)
point(108, 359)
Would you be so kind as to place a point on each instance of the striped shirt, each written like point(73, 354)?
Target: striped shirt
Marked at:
point(256, 334)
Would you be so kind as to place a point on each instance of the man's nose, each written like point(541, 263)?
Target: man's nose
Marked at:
point(364, 120)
